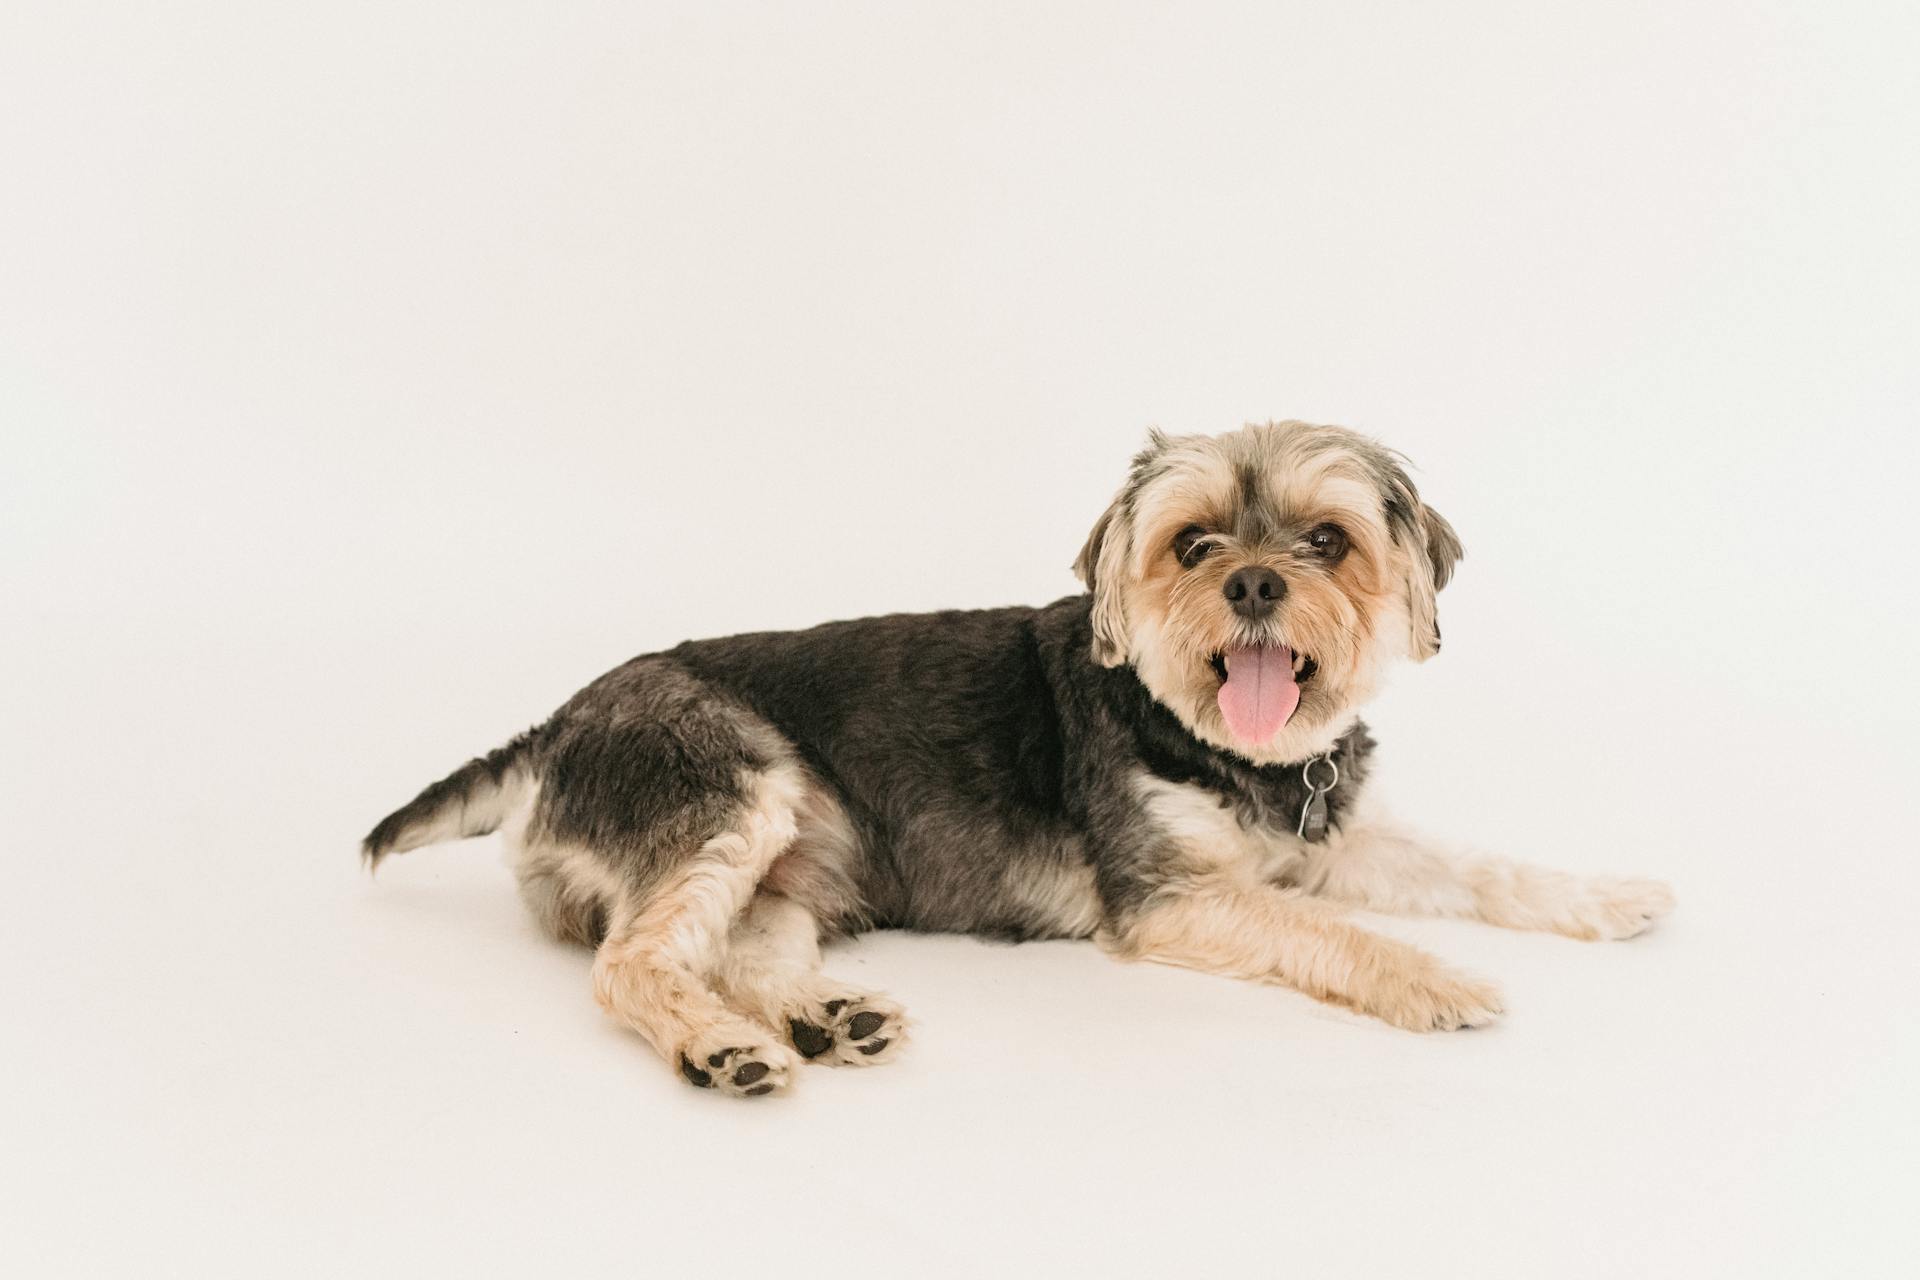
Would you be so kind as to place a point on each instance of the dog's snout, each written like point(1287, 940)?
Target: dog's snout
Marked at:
point(1254, 591)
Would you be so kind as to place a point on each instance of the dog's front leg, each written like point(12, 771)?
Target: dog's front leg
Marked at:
point(1280, 935)
point(1386, 868)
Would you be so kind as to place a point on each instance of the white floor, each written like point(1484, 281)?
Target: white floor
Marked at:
point(229, 1049)
point(370, 378)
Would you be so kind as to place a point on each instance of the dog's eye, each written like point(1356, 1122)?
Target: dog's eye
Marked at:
point(1328, 541)
point(1190, 545)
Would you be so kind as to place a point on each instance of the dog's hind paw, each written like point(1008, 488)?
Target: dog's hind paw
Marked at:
point(857, 1029)
point(744, 1071)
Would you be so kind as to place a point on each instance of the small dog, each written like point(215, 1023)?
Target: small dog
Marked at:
point(1171, 764)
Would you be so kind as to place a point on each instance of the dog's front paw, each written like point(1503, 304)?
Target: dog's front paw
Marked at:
point(1608, 909)
point(1433, 998)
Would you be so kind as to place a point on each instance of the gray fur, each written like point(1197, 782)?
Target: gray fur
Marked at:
point(975, 755)
point(974, 772)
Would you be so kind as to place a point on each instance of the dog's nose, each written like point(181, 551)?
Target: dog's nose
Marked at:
point(1254, 591)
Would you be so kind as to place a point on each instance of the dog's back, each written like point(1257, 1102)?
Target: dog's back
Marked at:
point(935, 740)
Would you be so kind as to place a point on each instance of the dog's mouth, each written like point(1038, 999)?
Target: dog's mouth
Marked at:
point(1260, 688)
point(1302, 665)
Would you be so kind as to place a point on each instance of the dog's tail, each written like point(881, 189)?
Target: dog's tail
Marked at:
point(473, 800)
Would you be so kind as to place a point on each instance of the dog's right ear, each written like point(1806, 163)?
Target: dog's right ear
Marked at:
point(1102, 564)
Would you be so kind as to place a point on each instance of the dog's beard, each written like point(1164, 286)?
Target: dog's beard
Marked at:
point(1279, 689)
point(1267, 700)
point(1255, 685)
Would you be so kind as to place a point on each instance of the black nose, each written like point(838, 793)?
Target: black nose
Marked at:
point(1254, 591)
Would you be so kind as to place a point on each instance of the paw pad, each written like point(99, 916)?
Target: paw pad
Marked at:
point(844, 1030)
point(810, 1040)
point(737, 1070)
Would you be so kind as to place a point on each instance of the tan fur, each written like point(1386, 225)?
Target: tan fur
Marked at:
point(1242, 908)
point(1227, 916)
point(726, 955)
point(1213, 840)
point(1065, 896)
point(652, 972)
point(1280, 935)
point(771, 969)
point(1382, 866)
point(817, 869)
point(1354, 617)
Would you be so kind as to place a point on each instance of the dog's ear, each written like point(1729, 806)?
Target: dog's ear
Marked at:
point(1102, 564)
point(1426, 545)
point(1436, 549)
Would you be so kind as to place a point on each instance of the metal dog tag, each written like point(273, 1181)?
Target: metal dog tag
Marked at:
point(1313, 814)
point(1313, 817)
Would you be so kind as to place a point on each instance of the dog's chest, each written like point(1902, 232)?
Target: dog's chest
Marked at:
point(1213, 832)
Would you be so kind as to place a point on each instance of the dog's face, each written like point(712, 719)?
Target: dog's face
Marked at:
point(1259, 581)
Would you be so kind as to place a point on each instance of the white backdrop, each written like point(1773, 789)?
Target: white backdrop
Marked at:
point(372, 375)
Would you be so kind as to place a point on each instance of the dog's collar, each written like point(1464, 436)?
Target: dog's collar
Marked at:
point(1321, 774)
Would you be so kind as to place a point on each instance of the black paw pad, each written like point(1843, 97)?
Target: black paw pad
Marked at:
point(865, 1024)
point(720, 1059)
point(694, 1074)
point(758, 1090)
point(750, 1073)
point(870, 1049)
point(834, 1006)
point(810, 1040)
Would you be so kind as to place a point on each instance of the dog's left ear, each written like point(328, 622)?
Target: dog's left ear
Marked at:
point(1437, 549)
point(1431, 548)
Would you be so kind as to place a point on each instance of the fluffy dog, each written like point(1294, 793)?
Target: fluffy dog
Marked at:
point(1171, 764)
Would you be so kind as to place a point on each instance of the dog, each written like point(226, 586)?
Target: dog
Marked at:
point(1171, 764)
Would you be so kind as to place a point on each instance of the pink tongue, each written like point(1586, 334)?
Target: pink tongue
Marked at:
point(1260, 692)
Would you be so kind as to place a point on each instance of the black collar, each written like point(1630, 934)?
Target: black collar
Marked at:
point(1271, 795)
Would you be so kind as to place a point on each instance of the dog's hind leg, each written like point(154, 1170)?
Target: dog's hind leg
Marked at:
point(653, 970)
point(772, 970)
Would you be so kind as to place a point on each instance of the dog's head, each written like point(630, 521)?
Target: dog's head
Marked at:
point(1259, 581)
